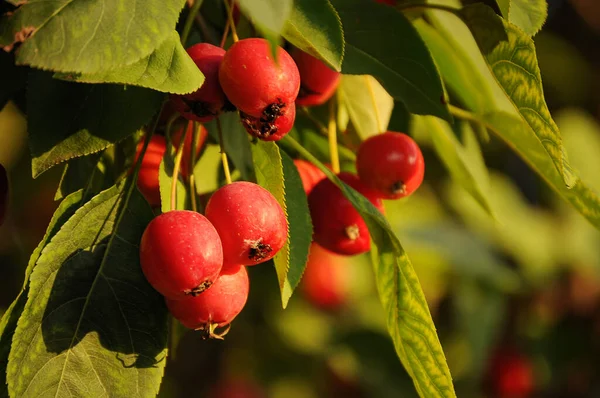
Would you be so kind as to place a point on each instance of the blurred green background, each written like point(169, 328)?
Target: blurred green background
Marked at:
point(528, 280)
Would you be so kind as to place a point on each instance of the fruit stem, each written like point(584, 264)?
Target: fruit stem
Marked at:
point(176, 168)
point(305, 154)
point(187, 27)
point(225, 33)
point(332, 135)
point(231, 22)
point(374, 102)
point(223, 153)
point(317, 123)
point(192, 164)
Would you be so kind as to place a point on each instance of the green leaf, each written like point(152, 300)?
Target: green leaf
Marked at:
point(87, 36)
point(88, 173)
point(529, 15)
point(168, 69)
point(518, 135)
point(300, 230)
point(269, 16)
point(236, 142)
point(67, 120)
point(367, 103)
point(92, 325)
point(408, 318)
point(468, 170)
point(165, 181)
point(8, 324)
point(511, 56)
point(206, 171)
point(315, 28)
point(384, 44)
point(276, 172)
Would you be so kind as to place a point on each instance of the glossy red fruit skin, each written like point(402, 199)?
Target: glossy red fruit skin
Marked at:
point(254, 83)
point(3, 193)
point(310, 174)
point(218, 305)
point(325, 282)
point(338, 227)
point(186, 158)
point(317, 80)
point(512, 374)
point(270, 131)
point(391, 163)
point(147, 181)
point(181, 254)
point(208, 101)
point(252, 225)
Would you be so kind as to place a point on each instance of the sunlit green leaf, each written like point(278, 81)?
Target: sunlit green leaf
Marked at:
point(269, 16)
point(88, 36)
point(367, 103)
point(276, 172)
point(528, 15)
point(511, 56)
point(315, 28)
point(8, 324)
point(92, 325)
point(168, 69)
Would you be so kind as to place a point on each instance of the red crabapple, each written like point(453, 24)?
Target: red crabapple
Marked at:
point(270, 131)
point(3, 192)
point(147, 181)
point(338, 227)
point(181, 254)
point(325, 281)
point(254, 83)
point(390, 163)
point(310, 174)
point(251, 223)
point(208, 101)
point(512, 374)
point(217, 306)
point(317, 80)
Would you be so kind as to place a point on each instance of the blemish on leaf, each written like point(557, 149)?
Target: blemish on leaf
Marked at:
point(20, 37)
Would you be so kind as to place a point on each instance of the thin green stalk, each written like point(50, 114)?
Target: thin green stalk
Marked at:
point(332, 137)
point(189, 22)
point(176, 168)
point(192, 164)
point(223, 153)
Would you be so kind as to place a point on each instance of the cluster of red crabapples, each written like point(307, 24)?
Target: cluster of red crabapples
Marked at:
point(246, 77)
point(390, 166)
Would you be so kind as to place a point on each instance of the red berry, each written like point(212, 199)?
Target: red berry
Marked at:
point(324, 281)
point(186, 158)
point(3, 193)
point(181, 254)
point(338, 227)
point(512, 374)
point(391, 163)
point(254, 83)
point(208, 101)
point(147, 181)
point(270, 131)
point(317, 80)
point(217, 306)
point(250, 221)
point(310, 174)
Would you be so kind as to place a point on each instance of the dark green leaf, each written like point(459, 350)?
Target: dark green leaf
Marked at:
point(385, 45)
point(529, 15)
point(511, 56)
point(236, 142)
point(408, 318)
point(88, 36)
point(8, 324)
point(276, 172)
point(300, 230)
point(92, 325)
point(67, 120)
point(315, 27)
point(268, 16)
point(88, 173)
point(168, 69)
